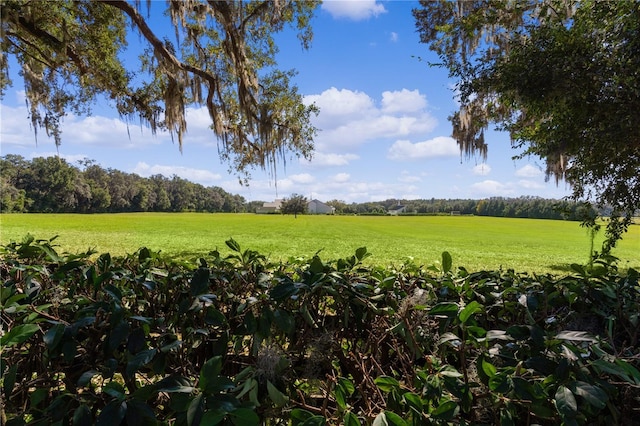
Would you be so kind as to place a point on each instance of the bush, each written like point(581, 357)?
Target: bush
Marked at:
point(239, 340)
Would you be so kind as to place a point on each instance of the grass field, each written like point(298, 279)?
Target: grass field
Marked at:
point(474, 242)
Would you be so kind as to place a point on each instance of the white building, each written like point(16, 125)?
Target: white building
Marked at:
point(318, 207)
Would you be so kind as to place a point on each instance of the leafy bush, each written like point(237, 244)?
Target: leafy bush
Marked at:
point(239, 340)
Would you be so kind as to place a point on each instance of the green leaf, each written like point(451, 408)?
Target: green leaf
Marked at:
point(284, 321)
point(592, 394)
point(469, 310)
point(82, 416)
point(18, 334)
point(112, 414)
point(341, 399)
point(278, 398)
point(565, 402)
point(9, 380)
point(486, 370)
point(446, 262)
point(210, 370)
point(386, 383)
point(448, 309)
point(233, 245)
point(283, 291)
point(618, 368)
point(445, 411)
point(350, 419)
point(53, 336)
point(361, 253)
point(500, 383)
point(346, 385)
point(200, 282)
point(244, 417)
point(85, 378)
point(115, 390)
point(394, 419)
point(214, 317)
point(413, 400)
point(213, 417)
point(195, 410)
point(141, 358)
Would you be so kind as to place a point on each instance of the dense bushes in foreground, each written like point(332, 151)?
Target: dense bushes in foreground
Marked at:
point(237, 340)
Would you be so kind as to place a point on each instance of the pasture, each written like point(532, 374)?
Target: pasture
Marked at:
point(474, 242)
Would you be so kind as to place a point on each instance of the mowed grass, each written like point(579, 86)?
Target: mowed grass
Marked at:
point(474, 242)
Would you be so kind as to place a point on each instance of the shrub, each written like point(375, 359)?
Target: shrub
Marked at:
point(239, 340)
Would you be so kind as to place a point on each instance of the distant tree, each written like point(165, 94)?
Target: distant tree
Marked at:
point(561, 76)
point(294, 205)
point(223, 58)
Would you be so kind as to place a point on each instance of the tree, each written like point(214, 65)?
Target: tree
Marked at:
point(561, 77)
point(294, 205)
point(70, 53)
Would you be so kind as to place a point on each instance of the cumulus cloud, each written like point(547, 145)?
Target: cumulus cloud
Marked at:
point(492, 188)
point(393, 37)
point(356, 10)
point(530, 184)
point(341, 106)
point(203, 177)
point(407, 177)
point(302, 178)
point(481, 169)
point(341, 177)
point(403, 101)
point(349, 118)
point(529, 171)
point(441, 146)
point(322, 159)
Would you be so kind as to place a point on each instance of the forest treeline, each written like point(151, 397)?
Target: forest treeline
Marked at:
point(53, 185)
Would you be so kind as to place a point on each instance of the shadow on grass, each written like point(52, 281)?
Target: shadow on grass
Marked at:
point(564, 268)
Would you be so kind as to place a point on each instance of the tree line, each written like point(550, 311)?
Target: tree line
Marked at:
point(53, 185)
point(522, 207)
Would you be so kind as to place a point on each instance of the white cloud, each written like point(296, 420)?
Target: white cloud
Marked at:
point(356, 10)
point(403, 101)
point(340, 106)
point(342, 177)
point(394, 37)
point(481, 169)
point(349, 118)
point(441, 146)
point(407, 177)
point(322, 159)
point(529, 171)
point(302, 178)
point(492, 188)
point(530, 184)
point(203, 177)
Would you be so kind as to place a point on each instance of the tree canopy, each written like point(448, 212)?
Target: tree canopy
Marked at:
point(223, 57)
point(561, 77)
point(294, 205)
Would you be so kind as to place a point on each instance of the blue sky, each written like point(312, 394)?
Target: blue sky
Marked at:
point(383, 128)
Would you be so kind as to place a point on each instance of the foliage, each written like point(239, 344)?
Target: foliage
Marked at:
point(561, 77)
point(237, 340)
point(53, 185)
point(294, 205)
point(71, 53)
point(528, 245)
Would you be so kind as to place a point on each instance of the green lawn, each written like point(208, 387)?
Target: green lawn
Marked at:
point(474, 242)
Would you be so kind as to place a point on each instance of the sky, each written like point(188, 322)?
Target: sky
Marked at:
point(383, 128)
